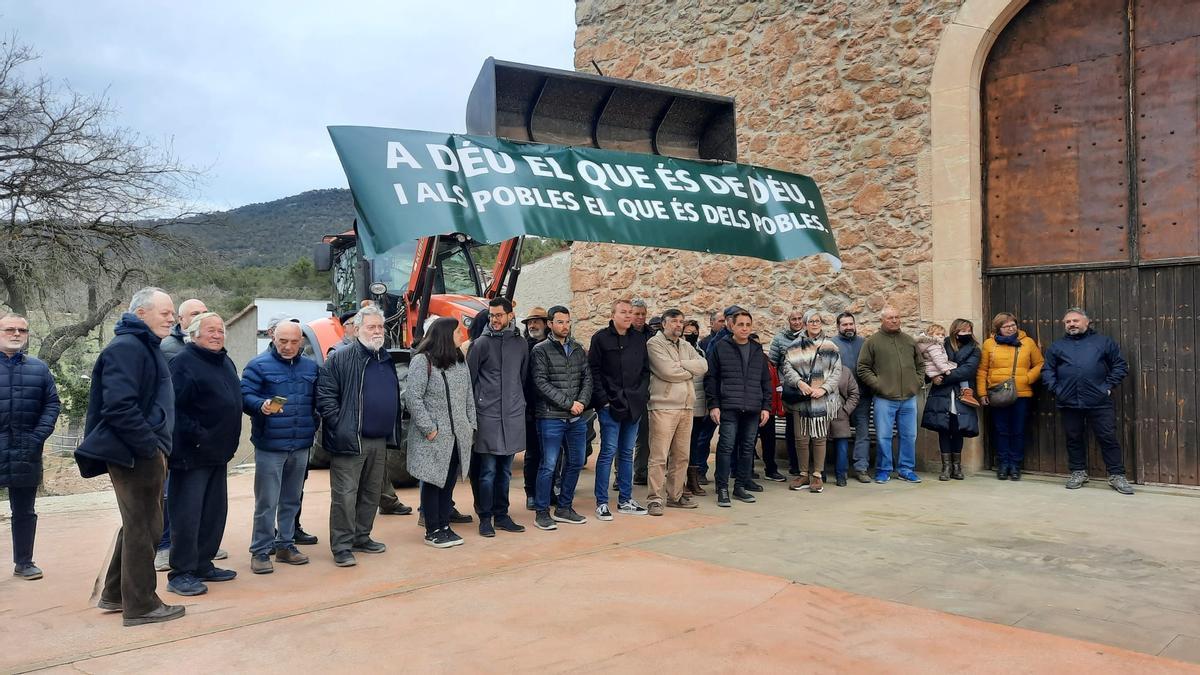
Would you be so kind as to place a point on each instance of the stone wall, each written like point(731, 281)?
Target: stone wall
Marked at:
point(834, 90)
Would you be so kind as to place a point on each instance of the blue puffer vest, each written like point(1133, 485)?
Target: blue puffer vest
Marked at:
point(267, 375)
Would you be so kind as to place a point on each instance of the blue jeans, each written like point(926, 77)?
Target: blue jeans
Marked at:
point(861, 419)
point(551, 433)
point(903, 416)
point(1009, 424)
point(491, 484)
point(841, 448)
point(616, 440)
point(278, 485)
point(735, 447)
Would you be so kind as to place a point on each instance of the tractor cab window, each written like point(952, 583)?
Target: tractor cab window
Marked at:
point(395, 266)
point(345, 271)
point(456, 271)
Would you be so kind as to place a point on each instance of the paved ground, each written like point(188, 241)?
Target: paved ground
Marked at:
point(866, 578)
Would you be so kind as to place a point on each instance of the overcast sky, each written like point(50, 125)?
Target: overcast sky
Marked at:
point(245, 90)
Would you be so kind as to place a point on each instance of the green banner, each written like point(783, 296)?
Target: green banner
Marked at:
point(411, 184)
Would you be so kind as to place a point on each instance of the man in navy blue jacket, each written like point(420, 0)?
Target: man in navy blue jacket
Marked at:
point(28, 395)
point(128, 433)
point(1082, 369)
point(282, 435)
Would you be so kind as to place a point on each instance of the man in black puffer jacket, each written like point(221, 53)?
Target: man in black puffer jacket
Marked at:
point(208, 426)
point(563, 380)
point(358, 398)
point(29, 402)
point(1082, 369)
point(738, 388)
point(130, 427)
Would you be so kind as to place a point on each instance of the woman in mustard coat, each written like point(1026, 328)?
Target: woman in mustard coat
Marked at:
point(1008, 342)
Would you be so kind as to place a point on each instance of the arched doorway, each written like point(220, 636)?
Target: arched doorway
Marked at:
point(1091, 197)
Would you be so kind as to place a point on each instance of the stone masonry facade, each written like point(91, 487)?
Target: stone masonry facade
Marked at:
point(834, 90)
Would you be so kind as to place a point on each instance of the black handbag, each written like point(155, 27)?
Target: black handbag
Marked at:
point(1005, 394)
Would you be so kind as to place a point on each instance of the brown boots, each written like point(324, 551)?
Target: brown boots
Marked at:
point(968, 398)
point(693, 482)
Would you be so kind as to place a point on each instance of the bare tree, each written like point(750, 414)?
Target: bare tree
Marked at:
point(80, 199)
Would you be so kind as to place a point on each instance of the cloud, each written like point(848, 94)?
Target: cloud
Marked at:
point(247, 89)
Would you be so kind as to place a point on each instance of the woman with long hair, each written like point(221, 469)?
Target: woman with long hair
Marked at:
point(442, 405)
point(1009, 353)
point(811, 368)
point(945, 411)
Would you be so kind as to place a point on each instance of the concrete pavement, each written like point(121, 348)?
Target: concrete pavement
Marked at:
point(849, 580)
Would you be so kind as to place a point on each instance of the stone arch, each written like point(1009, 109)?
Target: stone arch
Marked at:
point(955, 159)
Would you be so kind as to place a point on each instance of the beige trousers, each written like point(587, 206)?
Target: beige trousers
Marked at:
point(670, 447)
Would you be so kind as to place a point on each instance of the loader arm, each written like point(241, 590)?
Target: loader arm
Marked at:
point(506, 269)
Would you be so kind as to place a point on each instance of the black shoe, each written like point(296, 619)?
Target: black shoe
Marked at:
point(740, 494)
point(640, 480)
point(507, 524)
point(163, 613)
point(841, 480)
point(1002, 472)
point(776, 477)
point(723, 497)
point(567, 515)
point(460, 518)
point(438, 539)
point(703, 480)
point(529, 505)
point(369, 546)
point(1014, 473)
point(420, 519)
point(398, 510)
point(754, 475)
point(543, 521)
point(794, 472)
point(344, 559)
point(27, 571)
point(485, 527)
point(452, 536)
point(754, 487)
point(303, 538)
point(218, 574)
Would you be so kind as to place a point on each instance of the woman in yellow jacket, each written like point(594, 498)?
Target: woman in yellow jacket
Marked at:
point(1006, 343)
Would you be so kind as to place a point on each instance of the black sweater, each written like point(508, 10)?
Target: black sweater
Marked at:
point(208, 408)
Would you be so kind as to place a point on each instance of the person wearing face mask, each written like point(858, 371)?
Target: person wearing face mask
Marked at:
point(691, 332)
point(945, 409)
point(1009, 353)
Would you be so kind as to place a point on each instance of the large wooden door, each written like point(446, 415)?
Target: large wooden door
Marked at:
point(1091, 198)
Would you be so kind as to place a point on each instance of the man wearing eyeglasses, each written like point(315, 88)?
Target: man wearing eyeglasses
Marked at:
point(27, 391)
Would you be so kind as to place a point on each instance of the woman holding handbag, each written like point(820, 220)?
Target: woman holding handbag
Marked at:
point(439, 398)
point(1010, 364)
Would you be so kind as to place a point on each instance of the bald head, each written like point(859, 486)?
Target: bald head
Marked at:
point(287, 339)
point(190, 309)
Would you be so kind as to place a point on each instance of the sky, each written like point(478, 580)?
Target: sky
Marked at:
point(244, 90)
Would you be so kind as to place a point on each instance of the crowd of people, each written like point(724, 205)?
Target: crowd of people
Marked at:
point(167, 404)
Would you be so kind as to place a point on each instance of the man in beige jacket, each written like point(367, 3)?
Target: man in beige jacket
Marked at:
point(674, 363)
